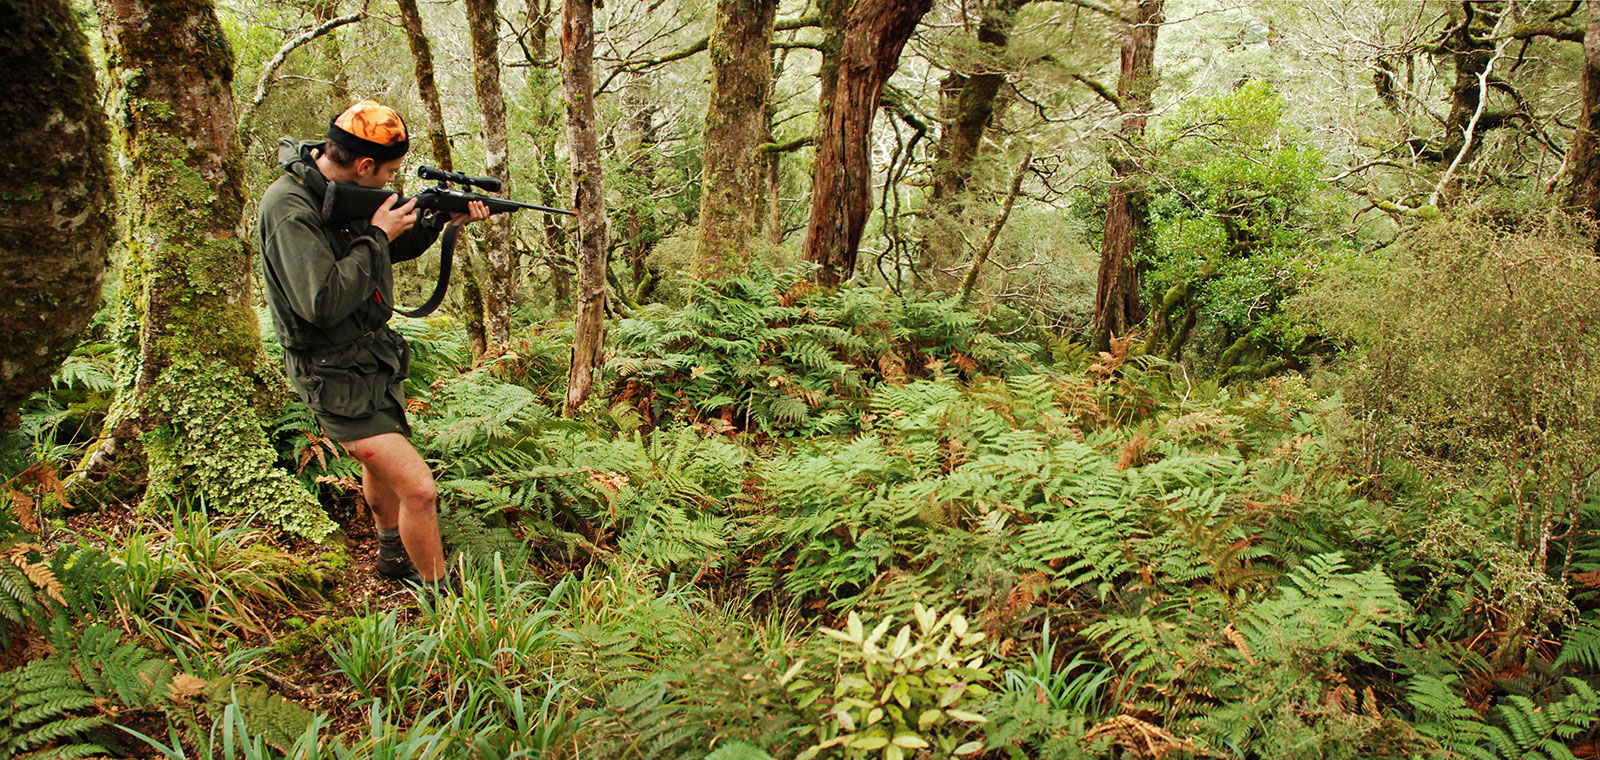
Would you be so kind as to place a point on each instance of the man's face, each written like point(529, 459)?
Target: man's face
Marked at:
point(370, 173)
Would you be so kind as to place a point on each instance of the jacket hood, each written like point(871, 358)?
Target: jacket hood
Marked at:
point(300, 159)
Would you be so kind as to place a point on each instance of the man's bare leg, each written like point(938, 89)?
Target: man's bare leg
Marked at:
point(382, 502)
point(395, 474)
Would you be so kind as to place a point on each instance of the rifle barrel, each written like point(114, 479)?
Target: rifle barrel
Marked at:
point(545, 209)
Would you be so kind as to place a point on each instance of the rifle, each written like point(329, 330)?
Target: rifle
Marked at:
point(345, 202)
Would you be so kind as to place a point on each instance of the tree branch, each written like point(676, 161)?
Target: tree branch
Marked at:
point(1100, 89)
point(270, 73)
point(1097, 7)
point(698, 46)
point(787, 147)
point(1551, 29)
point(1477, 113)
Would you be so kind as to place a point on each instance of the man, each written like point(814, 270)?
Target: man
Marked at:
point(330, 290)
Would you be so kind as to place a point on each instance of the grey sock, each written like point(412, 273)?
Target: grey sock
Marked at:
point(388, 535)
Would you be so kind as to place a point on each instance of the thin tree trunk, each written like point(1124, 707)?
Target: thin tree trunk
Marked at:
point(641, 171)
point(982, 255)
point(439, 143)
point(197, 386)
point(427, 88)
point(543, 81)
point(731, 199)
point(325, 11)
point(874, 34)
point(577, 75)
point(1583, 161)
point(1117, 307)
point(497, 296)
point(55, 221)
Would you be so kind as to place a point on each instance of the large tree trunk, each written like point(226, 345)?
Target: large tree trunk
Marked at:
point(197, 387)
point(577, 76)
point(1583, 161)
point(439, 142)
point(875, 31)
point(497, 296)
point(731, 197)
point(1117, 309)
point(55, 218)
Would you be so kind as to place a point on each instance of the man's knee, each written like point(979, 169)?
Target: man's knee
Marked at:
point(419, 493)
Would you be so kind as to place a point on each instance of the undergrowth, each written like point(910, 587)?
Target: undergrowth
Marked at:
point(823, 524)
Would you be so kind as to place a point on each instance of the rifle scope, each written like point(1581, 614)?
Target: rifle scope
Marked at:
point(488, 184)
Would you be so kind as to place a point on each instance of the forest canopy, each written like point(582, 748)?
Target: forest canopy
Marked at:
point(905, 379)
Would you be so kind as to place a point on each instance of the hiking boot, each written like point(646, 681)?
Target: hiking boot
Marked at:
point(394, 564)
point(447, 585)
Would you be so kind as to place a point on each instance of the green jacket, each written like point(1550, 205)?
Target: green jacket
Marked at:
point(326, 287)
point(330, 291)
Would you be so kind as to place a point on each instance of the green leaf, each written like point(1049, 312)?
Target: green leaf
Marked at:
point(911, 741)
point(869, 742)
point(966, 717)
point(853, 626)
point(846, 720)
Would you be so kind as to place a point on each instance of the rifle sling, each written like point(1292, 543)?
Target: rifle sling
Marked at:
point(447, 248)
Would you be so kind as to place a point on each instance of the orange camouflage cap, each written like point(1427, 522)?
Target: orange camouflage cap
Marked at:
point(371, 129)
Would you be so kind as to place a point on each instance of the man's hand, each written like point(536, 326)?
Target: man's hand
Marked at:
point(477, 211)
point(395, 220)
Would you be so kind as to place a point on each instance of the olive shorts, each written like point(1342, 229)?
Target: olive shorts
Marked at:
point(355, 390)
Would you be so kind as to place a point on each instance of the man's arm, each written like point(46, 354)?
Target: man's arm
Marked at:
point(415, 241)
point(321, 289)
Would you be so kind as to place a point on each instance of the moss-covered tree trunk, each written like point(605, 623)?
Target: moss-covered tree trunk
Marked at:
point(1117, 308)
point(967, 102)
point(875, 31)
point(195, 383)
point(439, 144)
point(483, 22)
point(427, 87)
point(1583, 161)
point(543, 82)
point(640, 178)
point(732, 198)
point(55, 209)
point(970, 97)
point(577, 77)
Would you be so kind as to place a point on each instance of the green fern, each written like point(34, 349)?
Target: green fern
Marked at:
point(41, 704)
point(1582, 648)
